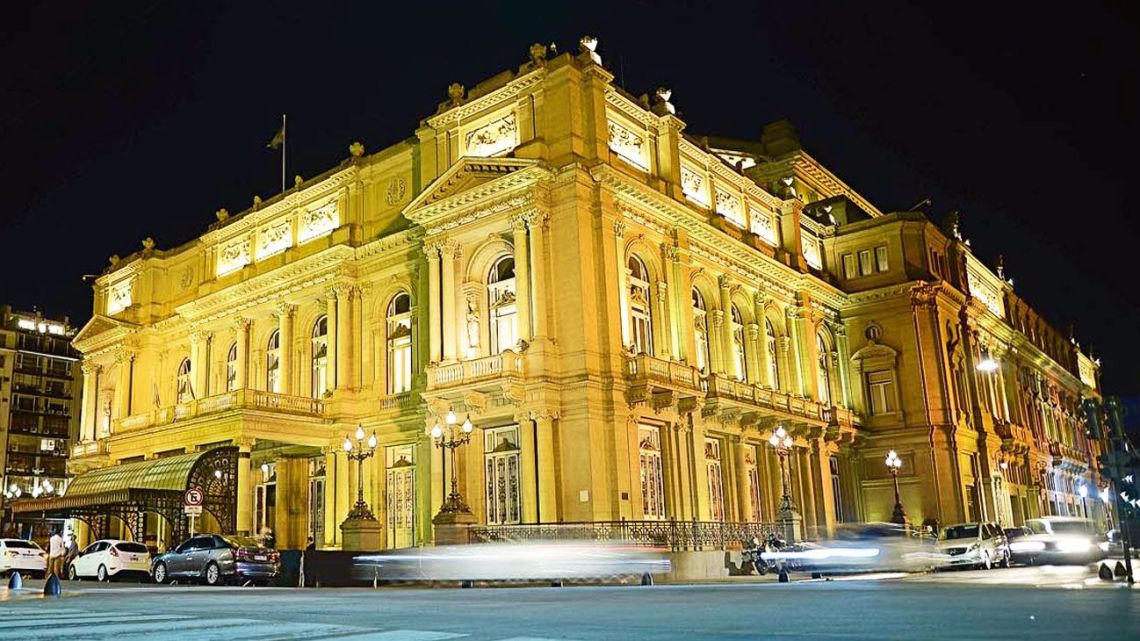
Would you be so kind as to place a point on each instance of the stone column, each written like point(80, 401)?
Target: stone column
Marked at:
point(728, 363)
point(843, 366)
point(528, 468)
point(716, 321)
point(743, 487)
point(343, 337)
point(759, 301)
point(435, 321)
point(663, 328)
point(331, 528)
point(241, 339)
point(825, 494)
point(752, 334)
point(125, 358)
point(448, 251)
point(285, 313)
point(623, 287)
point(358, 339)
point(90, 415)
point(547, 491)
point(700, 470)
point(199, 365)
point(331, 324)
point(677, 301)
point(244, 489)
point(538, 259)
point(522, 277)
point(808, 349)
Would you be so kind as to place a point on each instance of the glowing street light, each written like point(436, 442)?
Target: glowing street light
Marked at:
point(893, 464)
point(454, 502)
point(359, 453)
point(987, 365)
point(781, 441)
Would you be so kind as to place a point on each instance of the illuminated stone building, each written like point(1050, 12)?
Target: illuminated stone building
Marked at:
point(39, 403)
point(626, 313)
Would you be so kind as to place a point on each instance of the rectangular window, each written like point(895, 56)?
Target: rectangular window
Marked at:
point(849, 266)
point(652, 477)
point(865, 266)
point(881, 392)
point(881, 263)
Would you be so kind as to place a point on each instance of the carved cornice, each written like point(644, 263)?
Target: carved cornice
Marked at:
point(504, 95)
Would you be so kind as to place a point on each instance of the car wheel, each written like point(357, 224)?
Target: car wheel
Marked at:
point(101, 574)
point(160, 573)
point(72, 574)
point(212, 574)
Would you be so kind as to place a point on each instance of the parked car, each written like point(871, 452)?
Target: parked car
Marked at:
point(1060, 540)
point(979, 545)
point(215, 559)
point(18, 555)
point(1012, 533)
point(110, 559)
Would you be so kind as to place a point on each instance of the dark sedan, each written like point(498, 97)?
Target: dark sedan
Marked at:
point(214, 559)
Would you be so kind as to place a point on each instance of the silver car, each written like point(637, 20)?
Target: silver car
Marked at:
point(214, 559)
point(976, 545)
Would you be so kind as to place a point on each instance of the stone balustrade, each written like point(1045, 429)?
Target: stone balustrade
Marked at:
point(243, 399)
point(506, 364)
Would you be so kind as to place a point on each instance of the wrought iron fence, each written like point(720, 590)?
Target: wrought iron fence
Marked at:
point(674, 535)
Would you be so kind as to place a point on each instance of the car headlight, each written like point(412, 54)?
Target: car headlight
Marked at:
point(1026, 546)
point(972, 549)
point(1073, 545)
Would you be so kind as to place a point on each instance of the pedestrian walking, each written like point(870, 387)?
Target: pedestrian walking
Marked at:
point(70, 551)
point(55, 553)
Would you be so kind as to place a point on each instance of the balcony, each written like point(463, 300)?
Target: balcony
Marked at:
point(89, 449)
point(1015, 439)
point(644, 368)
point(782, 405)
point(1068, 457)
point(243, 399)
point(507, 365)
point(402, 401)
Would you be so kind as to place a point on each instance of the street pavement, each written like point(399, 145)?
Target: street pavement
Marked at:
point(1019, 603)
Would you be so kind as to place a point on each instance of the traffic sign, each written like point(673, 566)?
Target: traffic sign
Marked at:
point(194, 497)
point(192, 510)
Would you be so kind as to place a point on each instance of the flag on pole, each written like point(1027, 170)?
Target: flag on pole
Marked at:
point(278, 138)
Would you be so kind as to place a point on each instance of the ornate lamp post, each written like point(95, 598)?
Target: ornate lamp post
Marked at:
point(786, 516)
point(360, 511)
point(361, 530)
point(451, 442)
point(893, 464)
point(454, 516)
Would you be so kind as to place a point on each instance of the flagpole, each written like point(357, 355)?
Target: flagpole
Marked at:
point(283, 143)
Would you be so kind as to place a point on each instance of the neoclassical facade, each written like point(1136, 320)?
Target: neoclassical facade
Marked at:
point(624, 311)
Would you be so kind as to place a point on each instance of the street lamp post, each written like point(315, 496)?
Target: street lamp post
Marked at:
point(360, 531)
point(893, 464)
point(454, 515)
point(360, 511)
point(786, 516)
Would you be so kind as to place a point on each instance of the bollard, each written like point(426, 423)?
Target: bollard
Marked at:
point(557, 583)
point(647, 579)
point(16, 582)
point(52, 586)
point(465, 584)
point(783, 575)
point(1105, 573)
point(1120, 572)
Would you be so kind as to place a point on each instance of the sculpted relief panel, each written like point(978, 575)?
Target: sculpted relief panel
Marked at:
point(234, 256)
point(763, 225)
point(493, 138)
point(274, 239)
point(119, 296)
point(693, 186)
point(986, 294)
point(728, 205)
point(318, 222)
point(628, 145)
point(810, 246)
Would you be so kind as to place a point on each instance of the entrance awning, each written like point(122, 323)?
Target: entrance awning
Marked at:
point(129, 490)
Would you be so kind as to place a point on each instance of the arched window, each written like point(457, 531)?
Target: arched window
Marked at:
point(701, 331)
point(823, 370)
point(640, 316)
point(738, 360)
point(320, 361)
point(231, 368)
point(502, 306)
point(185, 389)
point(273, 363)
point(399, 324)
point(773, 350)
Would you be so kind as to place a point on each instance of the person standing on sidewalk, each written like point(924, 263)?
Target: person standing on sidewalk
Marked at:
point(55, 553)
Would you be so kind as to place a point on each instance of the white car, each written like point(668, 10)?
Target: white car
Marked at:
point(18, 555)
point(978, 545)
point(1060, 540)
point(110, 559)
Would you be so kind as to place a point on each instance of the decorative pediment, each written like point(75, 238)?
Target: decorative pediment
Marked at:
point(473, 181)
point(100, 331)
point(873, 355)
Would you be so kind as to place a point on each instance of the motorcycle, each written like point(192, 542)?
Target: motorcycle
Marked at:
point(753, 552)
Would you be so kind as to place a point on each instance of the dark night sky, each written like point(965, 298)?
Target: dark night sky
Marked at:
point(142, 119)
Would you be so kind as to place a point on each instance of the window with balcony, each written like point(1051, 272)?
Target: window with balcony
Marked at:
point(700, 332)
point(773, 351)
point(399, 327)
point(273, 363)
point(231, 368)
point(319, 365)
point(640, 310)
point(185, 391)
point(739, 362)
point(502, 305)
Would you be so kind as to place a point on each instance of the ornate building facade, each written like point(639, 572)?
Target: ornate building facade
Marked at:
point(624, 311)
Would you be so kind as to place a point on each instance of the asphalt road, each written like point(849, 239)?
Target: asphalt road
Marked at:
point(1022, 603)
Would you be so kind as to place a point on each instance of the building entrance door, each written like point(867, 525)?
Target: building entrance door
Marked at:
point(400, 503)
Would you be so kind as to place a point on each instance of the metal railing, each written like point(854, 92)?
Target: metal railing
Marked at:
point(672, 534)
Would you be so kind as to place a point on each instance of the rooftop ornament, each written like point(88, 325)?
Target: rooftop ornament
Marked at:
point(298, 181)
point(538, 54)
point(222, 215)
point(356, 150)
point(148, 243)
point(661, 105)
point(455, 92)
point(588, 45)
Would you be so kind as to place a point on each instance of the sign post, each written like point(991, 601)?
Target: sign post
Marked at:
point(192, 505)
